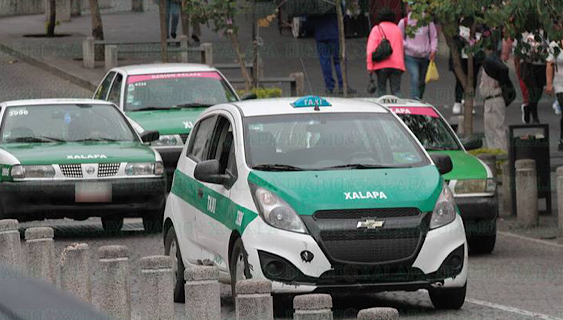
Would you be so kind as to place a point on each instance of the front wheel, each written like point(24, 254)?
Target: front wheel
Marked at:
point(238, 266)
point(172, 250)
point(448, 298)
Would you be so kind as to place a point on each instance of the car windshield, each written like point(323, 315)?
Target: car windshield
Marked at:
point(428, 127)
point(176, 90)
point(64, 123)
point(329, 141)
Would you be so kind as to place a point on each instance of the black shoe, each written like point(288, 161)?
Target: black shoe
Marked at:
point(195, 38)
point(173, 35)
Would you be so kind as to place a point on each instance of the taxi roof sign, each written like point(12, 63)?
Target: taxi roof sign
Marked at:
point(311, 101)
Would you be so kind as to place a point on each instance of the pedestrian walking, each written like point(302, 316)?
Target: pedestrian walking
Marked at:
point(173, 8)
point(419, 51)
point(391, 68)
point(534, 73)
point(554, 75)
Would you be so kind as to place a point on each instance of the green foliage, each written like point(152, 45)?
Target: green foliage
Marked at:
point(495, 152)
point(221, 13)
point(264, 93)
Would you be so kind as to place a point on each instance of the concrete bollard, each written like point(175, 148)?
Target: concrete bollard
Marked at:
point(10, 244)
point(207, 54)
point(313, 307)
point(254, 300)
point(41, 253)
point(110, 56)
point(89, 53)
point(491, 161)
point(526, 193)
point(114, 291)
point(203, 301)
point(560, 196)
point(506, 190)
point(183, 48)
point(157, 288)
point(378, 314)
point(299, 83)
point(137, 6)
point(75, 271)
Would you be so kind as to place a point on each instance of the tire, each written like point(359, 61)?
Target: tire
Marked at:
point(112, 224)
point(448, 299)
point(239, 257)
point(153, 223)
point(171, 245)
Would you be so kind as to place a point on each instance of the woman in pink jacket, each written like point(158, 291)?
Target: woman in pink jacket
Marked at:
point(391, 69)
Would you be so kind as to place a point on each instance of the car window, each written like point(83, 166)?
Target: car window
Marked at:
point(65, 123)
point(115, 92)
point(431, 131)
point(201, 137)
point(103, 90)
point(222, 146)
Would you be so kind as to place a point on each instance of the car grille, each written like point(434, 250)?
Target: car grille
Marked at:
point(367, 213)
point(108, 169)
point(71, 170)
point(184, 137)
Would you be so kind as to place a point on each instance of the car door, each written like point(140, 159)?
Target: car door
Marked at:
point(103, 89)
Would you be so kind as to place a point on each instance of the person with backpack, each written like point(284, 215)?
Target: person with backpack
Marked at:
point(419, 51)
point(554, 75)
point(385, 53)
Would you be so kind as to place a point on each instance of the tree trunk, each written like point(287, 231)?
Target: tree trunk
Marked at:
point(97, 28)
point(254, 46)
point(163, 31)
point(52, 18)
point(241, 61)
point(342, 45)
point(469, 89)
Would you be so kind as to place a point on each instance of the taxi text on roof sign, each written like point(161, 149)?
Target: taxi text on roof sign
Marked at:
point(311, 101)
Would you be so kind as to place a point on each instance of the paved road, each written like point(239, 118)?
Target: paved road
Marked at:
point(521, 280)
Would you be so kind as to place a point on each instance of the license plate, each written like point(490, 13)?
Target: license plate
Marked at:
point(93, 192)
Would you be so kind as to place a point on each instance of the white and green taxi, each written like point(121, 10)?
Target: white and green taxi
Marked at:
point(77, 159)
point(316, 195)
point(166, 98)
point(470, 180)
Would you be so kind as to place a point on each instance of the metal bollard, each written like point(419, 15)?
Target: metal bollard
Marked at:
point(254, 300)
point(378, 314)
point(183, 48)
point(75, 271)
point(41, 253)
point(157, 288)
point(526, 193)
point(203, 301)
point(560, 196)
point(313, 307)
point(491, 161)
point(114, 291)
point(506, 190)
point(10, 244)
point(111, 56)
point(89, 53)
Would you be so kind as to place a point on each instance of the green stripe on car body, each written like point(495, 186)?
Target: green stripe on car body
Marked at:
point(465, 166)
point(225, 211)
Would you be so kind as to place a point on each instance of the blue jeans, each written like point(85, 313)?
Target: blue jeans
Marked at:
point(417, 68)
point(393, 76)
point(172, 11)
point(328, 54)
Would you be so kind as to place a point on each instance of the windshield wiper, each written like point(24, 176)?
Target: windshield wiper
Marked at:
point(151, 109)
point(277, 167)
point(51, 139)
point(362, 166)
point(437, 149)
point(192, 105)
point(29, 139)
point(95, 140)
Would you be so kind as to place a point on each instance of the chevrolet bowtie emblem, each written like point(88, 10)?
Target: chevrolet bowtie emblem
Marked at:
point(370, 224)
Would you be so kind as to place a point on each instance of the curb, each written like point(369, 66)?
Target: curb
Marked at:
point(49, 68)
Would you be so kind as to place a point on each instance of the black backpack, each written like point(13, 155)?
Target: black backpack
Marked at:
point(383, 50)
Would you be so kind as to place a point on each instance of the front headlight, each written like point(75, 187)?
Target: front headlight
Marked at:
point(165, 140)
point(445, 209)
point(143, 168)
point(21, 172)
point(276, 212)
point(475, 186)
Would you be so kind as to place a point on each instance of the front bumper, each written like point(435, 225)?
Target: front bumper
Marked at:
point(36, 200)
point(479, 213)
point(320, 275)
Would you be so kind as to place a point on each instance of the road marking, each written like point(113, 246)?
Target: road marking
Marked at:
point(512, 310)
point(538, 241)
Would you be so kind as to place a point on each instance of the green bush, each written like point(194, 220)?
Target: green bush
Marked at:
point(495, 152)
point(264, 93)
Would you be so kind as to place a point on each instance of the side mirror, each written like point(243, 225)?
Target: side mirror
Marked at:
point(150, 136)
point(472, 143)
point(249, 96)
point(443, 163)
point(208, 171)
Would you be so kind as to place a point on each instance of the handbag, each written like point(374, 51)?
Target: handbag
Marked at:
point(372, 87)
point(383, 50)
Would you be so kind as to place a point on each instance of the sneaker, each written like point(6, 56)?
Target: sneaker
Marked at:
point(556, 107)
point(525, 114)
point(457, 108)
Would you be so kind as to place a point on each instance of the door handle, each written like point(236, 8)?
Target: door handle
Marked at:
point(200, 193)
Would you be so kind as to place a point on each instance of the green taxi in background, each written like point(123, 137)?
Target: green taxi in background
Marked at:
point(470, 180)
point(77, 159)
point(166, 98)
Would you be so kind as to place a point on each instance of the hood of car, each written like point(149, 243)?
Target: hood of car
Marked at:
point(175, 121)
point(465, 166)
point(310, 191)
point(88, 152)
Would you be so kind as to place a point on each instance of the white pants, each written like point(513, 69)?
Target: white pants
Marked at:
point(495, 129)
